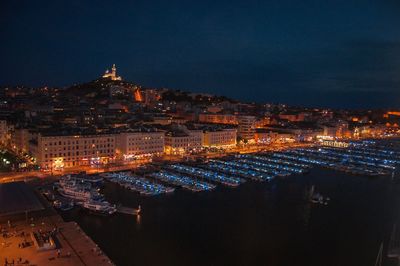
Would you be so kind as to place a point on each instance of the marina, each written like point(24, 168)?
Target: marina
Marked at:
point(207, 174)
point(236, 169)
point(80, 191)
point(292, 190)
point(306, 178)
point(183, 181)
point(278, 215)
point(136, 183)
point(366, 158)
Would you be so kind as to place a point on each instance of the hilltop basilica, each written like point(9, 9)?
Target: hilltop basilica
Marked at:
point(113, 74)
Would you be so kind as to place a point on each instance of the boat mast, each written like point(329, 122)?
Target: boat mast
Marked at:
point(379, 258)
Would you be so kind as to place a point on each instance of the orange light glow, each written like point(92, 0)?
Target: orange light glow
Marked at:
point(138, 95)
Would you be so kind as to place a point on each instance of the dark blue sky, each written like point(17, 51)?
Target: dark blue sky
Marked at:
point(326, 53)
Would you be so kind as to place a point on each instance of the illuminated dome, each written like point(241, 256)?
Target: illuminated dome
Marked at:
point(113, 74)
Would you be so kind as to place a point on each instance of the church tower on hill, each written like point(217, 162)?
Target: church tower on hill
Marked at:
point(113, 74)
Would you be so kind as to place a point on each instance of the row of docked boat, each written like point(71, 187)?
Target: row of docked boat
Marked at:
point(352, 160)
point(136, 183)
point(206, 174)
point(261, 173)
point(224, 167)
point(84, 194)
point(182, 180)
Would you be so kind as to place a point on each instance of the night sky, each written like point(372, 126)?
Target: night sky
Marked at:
point(324, 53)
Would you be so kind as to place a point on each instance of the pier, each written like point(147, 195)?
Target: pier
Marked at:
point(72, 245)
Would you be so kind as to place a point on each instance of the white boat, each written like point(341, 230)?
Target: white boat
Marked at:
point(100, 207)
point(71, 188)
point(78, 193)
point(69, 181)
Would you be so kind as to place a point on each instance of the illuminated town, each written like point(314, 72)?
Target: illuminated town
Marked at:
point(181, 150)
point(111, 123)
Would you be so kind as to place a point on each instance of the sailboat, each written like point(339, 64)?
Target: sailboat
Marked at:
point(379, 258)
point(394, 245)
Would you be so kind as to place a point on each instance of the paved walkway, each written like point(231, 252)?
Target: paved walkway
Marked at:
point(75, 247)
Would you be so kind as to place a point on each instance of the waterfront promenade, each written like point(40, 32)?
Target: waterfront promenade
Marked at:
point(27, 176)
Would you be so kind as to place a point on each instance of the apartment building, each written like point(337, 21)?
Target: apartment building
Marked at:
point(63, 151)
point(139, 144)
point(181, 142)
point(218, 118)
point(246, 128)
point(220, 138)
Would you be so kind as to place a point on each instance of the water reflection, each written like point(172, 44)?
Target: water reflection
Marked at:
point(254, 224)
point(138, 221)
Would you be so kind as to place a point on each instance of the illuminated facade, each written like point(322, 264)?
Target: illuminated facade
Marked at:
point(113, 74)
point(183, 142)
point(218, 119)
point(134, 145)
point(246, 127)
point(58, 152)
point(334, 143)
point(338, 130)
point(263, 136)
point(261, 122)
point(220, 138)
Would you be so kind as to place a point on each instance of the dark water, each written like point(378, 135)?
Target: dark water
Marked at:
point(255, 224)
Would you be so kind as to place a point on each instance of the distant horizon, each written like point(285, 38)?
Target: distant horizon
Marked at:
point(340, 54)
point(361, 106)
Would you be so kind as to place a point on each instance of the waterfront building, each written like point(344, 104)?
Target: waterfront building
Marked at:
point(246, 127)
point(334, 143)
point(223, 138)
point(140, 144)
point(265, 136)
point(368, 130)
point(300, 131)
point(58, 151)
point(179, 142)
point(338, 129)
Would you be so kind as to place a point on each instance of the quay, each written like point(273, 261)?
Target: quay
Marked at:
point(34, 234)
point(73, 246)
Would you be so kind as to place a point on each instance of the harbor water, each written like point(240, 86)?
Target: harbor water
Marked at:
point(257, 223)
